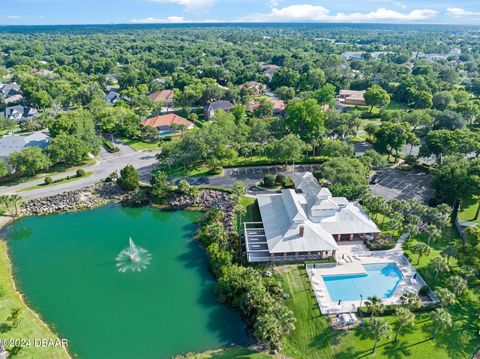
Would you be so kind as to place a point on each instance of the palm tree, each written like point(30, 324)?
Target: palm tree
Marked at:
point(433, 233)
point(378, 329)
point(421, 249)
point(404, 318)
point(441, 320)
point(411, 300)
point(445, 297)
point(239, 188)
point(457, 283)
point(15, 198)
point(396, 219)
point(6, 201)
point(375, 304)
point(449, 251)
point(439, 265)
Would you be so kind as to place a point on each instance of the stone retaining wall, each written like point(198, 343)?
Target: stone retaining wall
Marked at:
point(87, 197)
point(100, 193)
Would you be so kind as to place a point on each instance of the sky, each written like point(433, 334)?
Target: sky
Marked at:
point(43, 12)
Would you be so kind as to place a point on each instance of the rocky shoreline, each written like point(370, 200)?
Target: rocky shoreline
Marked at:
point(101, 193)
point(88, 197)
point(208, 198)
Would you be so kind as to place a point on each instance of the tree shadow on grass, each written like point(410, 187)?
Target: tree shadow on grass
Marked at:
point(4, 328)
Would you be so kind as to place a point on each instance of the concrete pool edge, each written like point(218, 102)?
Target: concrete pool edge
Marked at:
point(363, 275)
point(327, 306)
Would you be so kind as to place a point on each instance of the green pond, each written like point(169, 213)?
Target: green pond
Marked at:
point(67, 267)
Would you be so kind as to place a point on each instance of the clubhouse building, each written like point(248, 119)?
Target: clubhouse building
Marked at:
point(304, 224)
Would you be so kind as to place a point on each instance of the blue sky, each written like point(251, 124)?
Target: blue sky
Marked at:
point(15, 12)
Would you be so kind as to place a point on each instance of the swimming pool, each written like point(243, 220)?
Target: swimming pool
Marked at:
point(380, 280)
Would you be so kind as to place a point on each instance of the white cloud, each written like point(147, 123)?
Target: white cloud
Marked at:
point(154, 20)
point(170, 20)
point(14, 17)
point(274, 3)
point(459, 12)
point(308, 12)
point(189, 5)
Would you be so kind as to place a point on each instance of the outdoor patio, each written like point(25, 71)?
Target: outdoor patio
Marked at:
point(350, 260)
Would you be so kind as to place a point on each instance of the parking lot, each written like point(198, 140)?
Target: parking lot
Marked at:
point(261, 171)
point(394, 183)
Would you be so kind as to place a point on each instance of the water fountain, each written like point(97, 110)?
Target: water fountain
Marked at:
point(133, 258)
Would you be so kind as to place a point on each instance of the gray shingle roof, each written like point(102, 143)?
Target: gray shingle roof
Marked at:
point(219, 105)
point(19, 112)
point(10, 144)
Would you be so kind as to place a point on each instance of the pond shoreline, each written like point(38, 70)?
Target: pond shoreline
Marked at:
point(95, 196)
point(4, 222)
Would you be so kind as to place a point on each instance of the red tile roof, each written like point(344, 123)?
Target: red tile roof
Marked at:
point(277, 105)
point(166, 120)
point(161, 95)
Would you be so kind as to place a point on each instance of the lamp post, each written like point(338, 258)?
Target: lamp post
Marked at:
point(361, 301)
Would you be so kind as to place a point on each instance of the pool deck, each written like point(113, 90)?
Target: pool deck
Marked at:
point(355, 255)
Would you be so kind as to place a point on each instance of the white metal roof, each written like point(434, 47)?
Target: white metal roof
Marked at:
point(320, 215)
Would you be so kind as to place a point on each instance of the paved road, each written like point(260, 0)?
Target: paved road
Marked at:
point(144, 162)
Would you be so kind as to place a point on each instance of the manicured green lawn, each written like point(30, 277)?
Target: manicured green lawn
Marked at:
point(253, 212)
point(469, 209)
point(55, 170)
point(394, 105)
point(30, 327)
point(416, 343)
point(56, 182)
point(313, 336)
point(241, 353)
point(138, 145)
point(202, 171)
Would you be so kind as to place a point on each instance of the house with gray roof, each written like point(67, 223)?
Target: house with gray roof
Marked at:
point(15, 143)
point(304, 224)
point(211, 108)
point(8, 90)
point(19, 112)
point(112, 97)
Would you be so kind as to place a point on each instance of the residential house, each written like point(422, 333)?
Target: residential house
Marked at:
point(349, 55)
point(254, 86)
point(15, 143)
point(168, 122)
point(278, 106)
point(19, 112)
point(160, 80)
point(270, 70)
point(43, 72)
point(13, 99)
point(113, 96)
point(165, 95)
point(304, 224)
point(213, 107)
point(8, 90)
point(352, 97)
